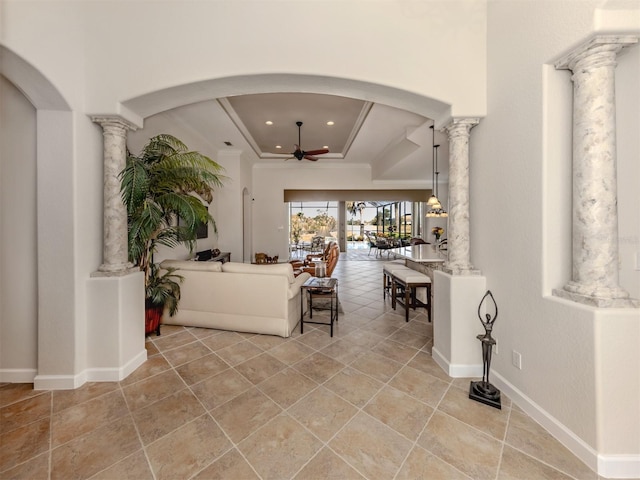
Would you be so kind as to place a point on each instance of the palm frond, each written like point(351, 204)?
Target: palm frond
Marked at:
point(134, 183)
point(166, 181)
point(164, 289)
point(161, 146)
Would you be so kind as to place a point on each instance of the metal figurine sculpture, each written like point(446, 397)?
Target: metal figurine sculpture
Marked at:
point(482, 391)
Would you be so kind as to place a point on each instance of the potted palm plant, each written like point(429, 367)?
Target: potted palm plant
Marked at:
point(166, 181)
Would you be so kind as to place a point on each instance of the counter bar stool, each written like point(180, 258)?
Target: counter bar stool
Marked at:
point(408, 281)
point(387, 271)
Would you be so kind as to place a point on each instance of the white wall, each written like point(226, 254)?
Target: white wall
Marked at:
point(521, 228)
point(398, 45)
point(18, 247)
point(628, 112)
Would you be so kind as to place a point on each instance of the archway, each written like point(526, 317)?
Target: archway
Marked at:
point(162, 101)
point(56, 283)
point(166, 99)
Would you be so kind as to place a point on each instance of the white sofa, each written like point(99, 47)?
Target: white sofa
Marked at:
point(238, 296)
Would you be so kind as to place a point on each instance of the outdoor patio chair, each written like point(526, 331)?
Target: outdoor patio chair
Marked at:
point(372, 243)
point(384, 244)
point(317, 244)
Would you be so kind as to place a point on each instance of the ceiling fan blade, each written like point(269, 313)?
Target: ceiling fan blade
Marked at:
point(309, 157)
point(317, 152)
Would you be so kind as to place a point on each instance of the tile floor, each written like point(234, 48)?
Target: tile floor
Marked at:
point(369, 403)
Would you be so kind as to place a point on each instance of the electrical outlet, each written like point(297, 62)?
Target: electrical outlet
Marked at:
point(516, 359)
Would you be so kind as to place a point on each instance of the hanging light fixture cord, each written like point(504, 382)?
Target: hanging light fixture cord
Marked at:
point(435, 207)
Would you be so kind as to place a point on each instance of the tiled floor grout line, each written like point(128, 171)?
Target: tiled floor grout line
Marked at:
point(207, 412)
point(135, 425)
point(360, 409)
point(504, 441)
point(415, 442)
point(322, 385)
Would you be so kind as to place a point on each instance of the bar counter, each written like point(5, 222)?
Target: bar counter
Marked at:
point(423, 253)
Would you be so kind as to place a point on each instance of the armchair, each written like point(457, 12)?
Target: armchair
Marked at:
point(310, 258)
point(331, 260)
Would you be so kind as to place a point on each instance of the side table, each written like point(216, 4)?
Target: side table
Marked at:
point(323, 288)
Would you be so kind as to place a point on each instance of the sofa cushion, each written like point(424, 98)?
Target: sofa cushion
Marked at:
point(284, 269)
point(191, 265)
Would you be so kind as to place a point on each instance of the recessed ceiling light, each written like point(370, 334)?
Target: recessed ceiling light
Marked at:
point(325, 146)
point(269, 122)
point(329, 123)
point(278, 146)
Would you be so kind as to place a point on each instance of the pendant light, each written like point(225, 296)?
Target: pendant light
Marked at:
point(433, 199)
point(438, 210)
point(435, 207)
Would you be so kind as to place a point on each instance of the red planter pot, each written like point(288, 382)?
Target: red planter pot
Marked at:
point(153, 315)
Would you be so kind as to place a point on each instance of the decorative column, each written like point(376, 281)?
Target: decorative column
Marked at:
point(458, 240)
point(595, 210)
point(115, 248)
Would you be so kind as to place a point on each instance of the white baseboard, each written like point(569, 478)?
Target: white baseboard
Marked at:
point(619, 466)
point(607, 466)
point(59, 382)
point(456, 370)
point(116, 374)
point(70, 382)
point(18, 375)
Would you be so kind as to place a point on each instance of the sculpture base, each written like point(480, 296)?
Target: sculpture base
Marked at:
point(486, 393)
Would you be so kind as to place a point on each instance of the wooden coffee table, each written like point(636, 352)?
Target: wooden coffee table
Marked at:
point(323, 288)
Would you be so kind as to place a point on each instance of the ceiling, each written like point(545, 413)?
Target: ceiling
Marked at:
point(397, 144)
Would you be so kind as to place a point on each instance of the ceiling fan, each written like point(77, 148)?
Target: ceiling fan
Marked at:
point(307, 155)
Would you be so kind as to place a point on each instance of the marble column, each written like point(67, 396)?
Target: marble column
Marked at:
point(595, 211)
point(115, 257)
point(458, 239)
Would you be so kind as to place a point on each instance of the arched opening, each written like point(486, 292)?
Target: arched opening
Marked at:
point(166, 99)
point(52, 251)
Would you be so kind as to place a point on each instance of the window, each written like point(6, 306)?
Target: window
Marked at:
point(310, 219)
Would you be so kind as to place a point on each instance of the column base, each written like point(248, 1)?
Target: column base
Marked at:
point(596, 297)
point(108, 270)
point(466, 270)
